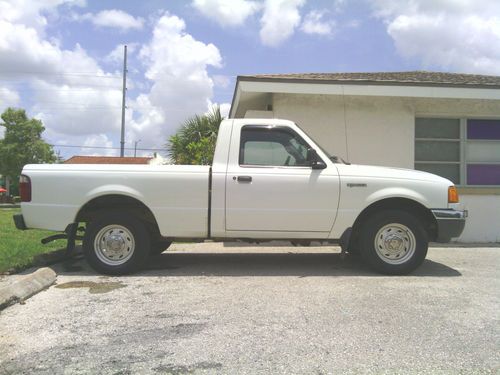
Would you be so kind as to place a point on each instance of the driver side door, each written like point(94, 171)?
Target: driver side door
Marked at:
point(273, 188)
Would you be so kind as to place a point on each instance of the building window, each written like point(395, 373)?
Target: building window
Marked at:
point(466, 151)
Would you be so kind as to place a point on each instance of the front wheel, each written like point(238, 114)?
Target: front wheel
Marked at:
point(116, 243)
point(159, 247)
point(393, 242)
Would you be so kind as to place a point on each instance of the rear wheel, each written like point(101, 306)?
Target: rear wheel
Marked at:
point(116, 243)
point(393, 242)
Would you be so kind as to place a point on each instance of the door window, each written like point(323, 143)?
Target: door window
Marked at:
point(272, 146)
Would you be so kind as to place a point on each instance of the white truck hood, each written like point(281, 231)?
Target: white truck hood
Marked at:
point(357, 170)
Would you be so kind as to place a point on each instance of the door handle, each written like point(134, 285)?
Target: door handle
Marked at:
point(244, 178)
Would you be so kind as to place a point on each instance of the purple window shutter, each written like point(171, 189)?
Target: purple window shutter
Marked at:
point(483, 174)
point(483, 129)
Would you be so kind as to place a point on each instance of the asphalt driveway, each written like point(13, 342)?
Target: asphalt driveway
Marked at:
point(207, 308)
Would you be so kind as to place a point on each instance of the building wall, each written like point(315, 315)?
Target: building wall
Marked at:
point(321, 116)
point(483, 224)
point(360, 129)
point(380, 131)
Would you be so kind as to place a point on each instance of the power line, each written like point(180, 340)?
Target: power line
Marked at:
point(103, 108)
point(76, 74)
point(230, 77)
point(96, 108)
point(90, 89)
point(13, 82)
point(109, 147)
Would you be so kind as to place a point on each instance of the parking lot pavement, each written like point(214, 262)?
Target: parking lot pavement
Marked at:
point(207, 308)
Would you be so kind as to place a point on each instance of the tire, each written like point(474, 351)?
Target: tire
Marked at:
point(159, 247)
point(116, 243)
point(393, 242)
point(353, 248)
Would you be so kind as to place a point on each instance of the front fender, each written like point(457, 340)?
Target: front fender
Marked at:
point(396, 192)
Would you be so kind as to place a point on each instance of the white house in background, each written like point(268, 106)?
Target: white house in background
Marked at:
point(444, 123)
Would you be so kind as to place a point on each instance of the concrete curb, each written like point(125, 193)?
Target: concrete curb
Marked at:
point(26, 287)
point(10, 205)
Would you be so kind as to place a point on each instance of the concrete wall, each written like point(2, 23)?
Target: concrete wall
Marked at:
point(483, 224)
point(380, 131)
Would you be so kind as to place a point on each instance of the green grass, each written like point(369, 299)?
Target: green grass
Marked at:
point(18, 248)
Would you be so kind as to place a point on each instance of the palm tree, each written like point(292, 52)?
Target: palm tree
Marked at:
point(194, 142)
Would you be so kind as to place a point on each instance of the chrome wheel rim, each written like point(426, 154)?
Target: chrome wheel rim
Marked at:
point(395, 243)
point(114, 245)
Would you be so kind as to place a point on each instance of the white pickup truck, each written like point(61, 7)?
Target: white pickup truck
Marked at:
point(269, 180)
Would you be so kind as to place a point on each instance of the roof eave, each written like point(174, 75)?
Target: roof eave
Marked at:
point(361, 82)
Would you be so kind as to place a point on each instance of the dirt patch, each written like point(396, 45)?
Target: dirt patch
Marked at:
point(94, 288)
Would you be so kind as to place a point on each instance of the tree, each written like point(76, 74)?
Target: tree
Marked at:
point(194, 142)
point(22, 144)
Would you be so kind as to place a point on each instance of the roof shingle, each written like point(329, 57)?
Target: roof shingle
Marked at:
point(413, 78)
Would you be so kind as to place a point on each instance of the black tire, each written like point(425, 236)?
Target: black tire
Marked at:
point(133, 241)
point(384, 259)
point(159, 246)
point(353, 248)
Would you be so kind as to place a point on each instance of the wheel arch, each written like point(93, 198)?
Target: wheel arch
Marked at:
point(423, 214)
point(119, 202)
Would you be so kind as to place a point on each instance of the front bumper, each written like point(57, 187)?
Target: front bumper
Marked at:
point(450, 223)
point(19, 221)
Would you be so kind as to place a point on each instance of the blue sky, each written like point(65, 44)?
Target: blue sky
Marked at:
point(61, 59)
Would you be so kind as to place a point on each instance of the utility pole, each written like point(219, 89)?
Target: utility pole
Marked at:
point(135, 147)
point(124, 89)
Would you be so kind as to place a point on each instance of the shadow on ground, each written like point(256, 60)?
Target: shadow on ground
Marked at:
point(256, 264)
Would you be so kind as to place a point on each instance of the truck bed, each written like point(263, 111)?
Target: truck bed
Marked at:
point(177, 195)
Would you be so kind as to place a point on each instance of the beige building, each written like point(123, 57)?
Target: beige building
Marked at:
point(444, 123)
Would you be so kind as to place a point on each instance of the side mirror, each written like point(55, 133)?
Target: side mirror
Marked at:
point(314, 160)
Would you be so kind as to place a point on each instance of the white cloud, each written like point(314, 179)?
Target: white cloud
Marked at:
point(116, 55)
point(176, 64)
point(221, 80)
point(224, 109)
point(279, 20)
point(66, 84)
point(8, 98)
point(77, 111)
point(227, 12)
point(80, 103)
point(24, 53)
point(93, 145)
point(459, 35)
point(338, 5)
point(314, 24)
point(33, 12)
point(99, 140)
point(73, 95)
point(113, 18)
point(353, 23)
